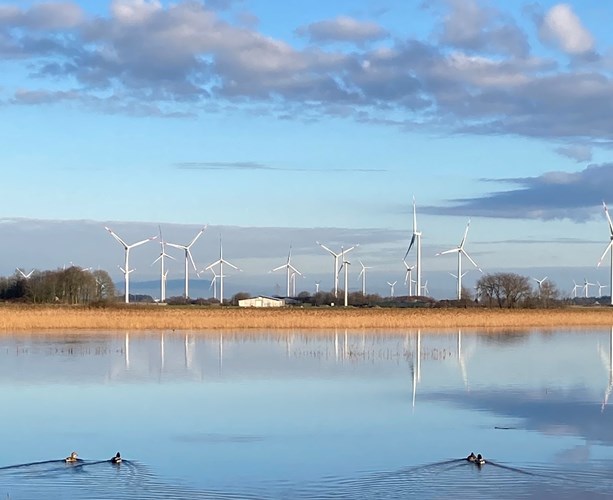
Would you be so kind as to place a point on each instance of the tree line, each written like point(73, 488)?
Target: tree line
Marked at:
point(71, 285)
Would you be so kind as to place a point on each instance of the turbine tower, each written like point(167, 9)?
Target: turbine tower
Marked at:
point(336, 268)
point(126, 269)
point(415, 240)
point(221, 261)
point(163, 270)
point(188, 259)
point(460, 250)
point(392, 288)
point(608, 249)
point(290, 271)
point(363, 276)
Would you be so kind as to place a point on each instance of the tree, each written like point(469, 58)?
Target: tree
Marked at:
point(504, 289)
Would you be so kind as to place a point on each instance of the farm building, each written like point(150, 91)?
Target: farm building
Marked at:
point(262, 301)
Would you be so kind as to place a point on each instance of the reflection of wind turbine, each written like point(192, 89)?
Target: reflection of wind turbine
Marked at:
point(415, 239)
point(127, 350)
point(392, 288)
point(610, 368)
point(460, 250)
point(24, 275)
point(336, 256)
point(126, 269)
point(221, 261)
point(290, 270)
point(540, 284)
point(462, 360)
point(163, 272)
point(608, 249)
point(363, 276)
point(188, 259)
point(416, 366)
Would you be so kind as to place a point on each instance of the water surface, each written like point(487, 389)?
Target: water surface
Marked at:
point(307, 415)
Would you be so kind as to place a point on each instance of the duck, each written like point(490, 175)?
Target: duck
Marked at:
point(480, 460)
point(471, 457)
point(116, 459)
point(72, 458)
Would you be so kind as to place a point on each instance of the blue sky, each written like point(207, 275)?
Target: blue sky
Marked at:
point(287, 122)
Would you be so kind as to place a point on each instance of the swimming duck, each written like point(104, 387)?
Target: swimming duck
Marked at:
point(471, 457)
point(480, 460)
point(72, 457)
point(116, 459)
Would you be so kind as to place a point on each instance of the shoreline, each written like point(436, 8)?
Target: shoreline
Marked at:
point(52, 318)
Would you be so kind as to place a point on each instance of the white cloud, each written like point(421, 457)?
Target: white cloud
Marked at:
point(562, 27)
point(134, 11)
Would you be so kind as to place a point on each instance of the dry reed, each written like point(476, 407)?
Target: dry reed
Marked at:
point(48, 318)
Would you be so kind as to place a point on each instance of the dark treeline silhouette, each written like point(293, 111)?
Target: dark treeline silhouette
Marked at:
point(71, 285)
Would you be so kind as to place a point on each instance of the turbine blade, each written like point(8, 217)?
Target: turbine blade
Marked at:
point(465, 234)
point(471, 260)
point(142, 242)
point(191, 259)
point(410, 246)
point(196, 237)
point(449, 251)
point(114, 235)
point(609, 246)
point(606, 212)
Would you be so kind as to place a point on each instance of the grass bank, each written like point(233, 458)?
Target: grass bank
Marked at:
point(42, 318)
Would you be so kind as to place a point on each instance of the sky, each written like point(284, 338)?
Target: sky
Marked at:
point(286, 123)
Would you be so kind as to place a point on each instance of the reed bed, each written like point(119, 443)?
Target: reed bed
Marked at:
point(49, 318)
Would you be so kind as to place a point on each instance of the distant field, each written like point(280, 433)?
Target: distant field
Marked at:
point(21, 318)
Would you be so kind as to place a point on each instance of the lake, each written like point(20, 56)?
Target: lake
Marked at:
point(307, 414)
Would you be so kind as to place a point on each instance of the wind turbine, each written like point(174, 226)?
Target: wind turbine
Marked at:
point(317, 283)
point(363, 276)
point(608, 249)
point(24, 275)
point(221, 261)
point(213, 284)
point(408, 277)
point(415, 239)
point(392, 285)
point(425, 288)
point(126, 269)
point(289, 267)
point(188, 259)
point(346, 265)
point(336, 268)
point(540, 283)
point(587, 284)
point(575, 288)
point(460, 250)
point(163, 272)
point(600, 287)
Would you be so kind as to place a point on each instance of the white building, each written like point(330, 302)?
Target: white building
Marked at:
point(261, 301)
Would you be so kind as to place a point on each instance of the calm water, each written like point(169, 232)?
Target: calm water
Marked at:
point(307, 415)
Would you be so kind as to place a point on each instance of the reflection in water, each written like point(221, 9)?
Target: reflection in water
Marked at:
point(307, 415)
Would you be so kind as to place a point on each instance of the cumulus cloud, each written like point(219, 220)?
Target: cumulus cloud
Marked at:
point(149, 57)
point(342, 29)
point(552, 195)
point(562, 27)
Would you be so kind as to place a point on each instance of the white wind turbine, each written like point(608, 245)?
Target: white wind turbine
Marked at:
point(163, 270)
point(220, 262)
point(336, 268)
point(188, 259)
point(415, 239)
point(575, 288)
point(408, 277)
point(586, 285)
point(24, 275)
point(600, 287)
point(425, 290)
point(345, 264)
point(540, 283)
point(213, 284)
point(126, 269)
point(608, 249)
point(460, 250)
point(317, 283)
point(290, 271)
point(363, 276)
point(392, 285)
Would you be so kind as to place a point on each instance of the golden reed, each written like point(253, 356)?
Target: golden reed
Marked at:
point(41, 318)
